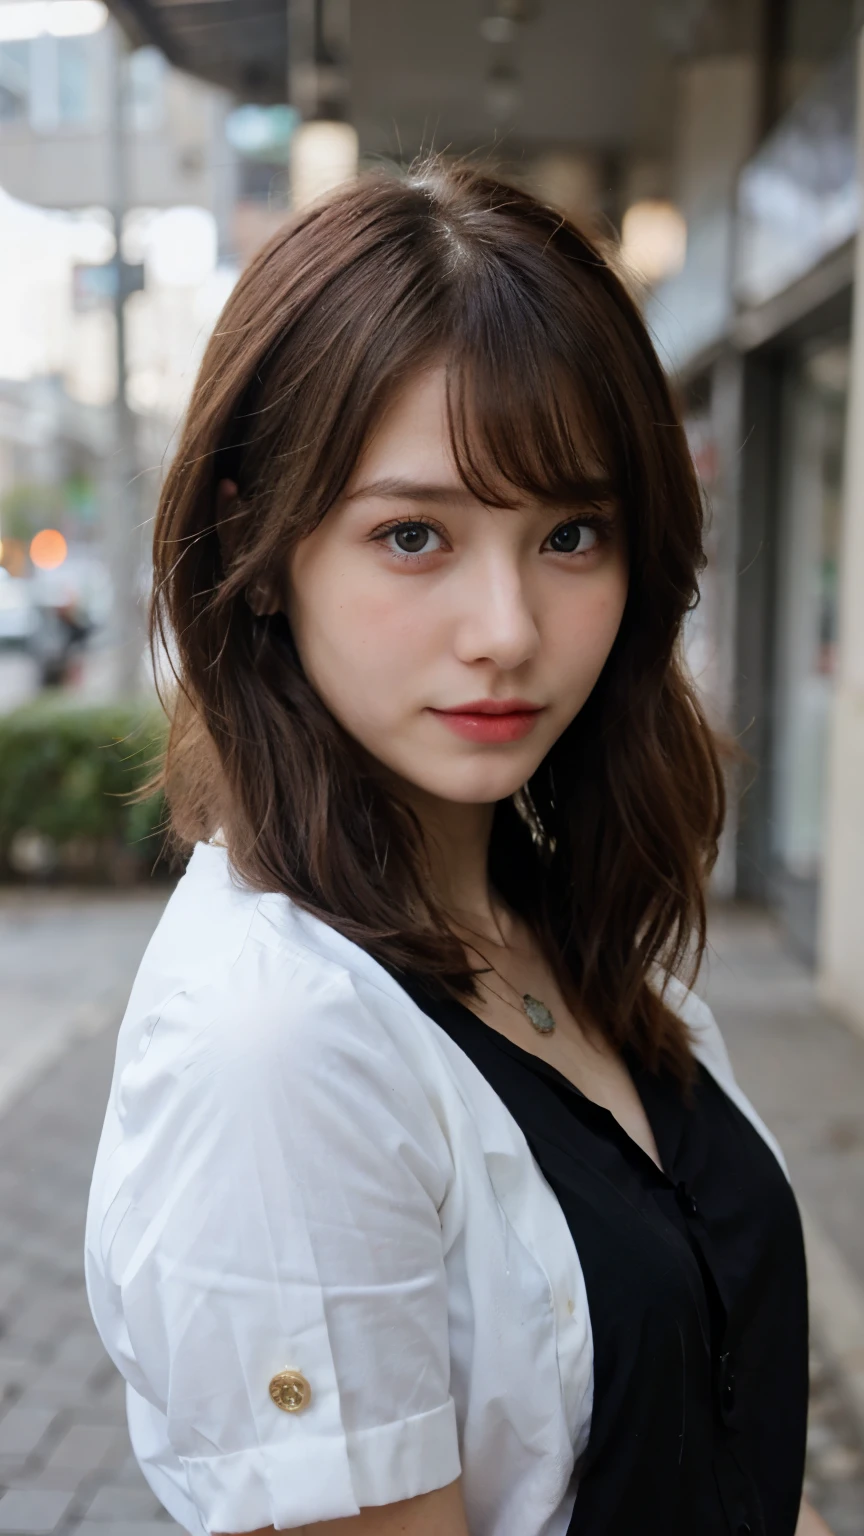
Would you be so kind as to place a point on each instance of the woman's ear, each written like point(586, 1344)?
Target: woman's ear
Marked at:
point(260, 595)
point(228, 520)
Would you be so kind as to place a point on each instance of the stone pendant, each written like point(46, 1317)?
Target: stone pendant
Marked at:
point(538, 1014)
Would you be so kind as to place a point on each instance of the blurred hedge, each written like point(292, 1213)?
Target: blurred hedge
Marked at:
point(67, 775)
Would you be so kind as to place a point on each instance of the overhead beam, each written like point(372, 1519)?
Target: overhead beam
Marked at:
point(143, 24)
point(242, 47)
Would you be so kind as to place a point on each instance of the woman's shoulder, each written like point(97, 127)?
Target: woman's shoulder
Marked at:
point(220, 938)
point(242, 986)
point(706, 1038)
point(710, 1050)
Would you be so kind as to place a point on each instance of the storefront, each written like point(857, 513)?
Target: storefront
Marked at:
point(799, 211)
point(808, 551)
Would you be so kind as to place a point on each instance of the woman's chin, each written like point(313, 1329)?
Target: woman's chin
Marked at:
point(475, 783)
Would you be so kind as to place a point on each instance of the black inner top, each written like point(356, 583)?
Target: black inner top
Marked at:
point(697, 1293)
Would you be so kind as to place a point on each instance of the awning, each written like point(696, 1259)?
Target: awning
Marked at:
point(239, 44)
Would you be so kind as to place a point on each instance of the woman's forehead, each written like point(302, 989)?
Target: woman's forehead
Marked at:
point(411, 438)
point(422, 442)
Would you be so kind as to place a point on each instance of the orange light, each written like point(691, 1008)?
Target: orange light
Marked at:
point(48, 549)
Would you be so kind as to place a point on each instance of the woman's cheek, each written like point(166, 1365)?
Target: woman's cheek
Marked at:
point(402, 622)
point(586, 627)
point(360, 647)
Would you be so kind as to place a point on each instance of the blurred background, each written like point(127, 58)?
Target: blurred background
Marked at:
point(147, 149)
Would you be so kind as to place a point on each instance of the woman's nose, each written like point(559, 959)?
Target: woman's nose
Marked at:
point(497, 623)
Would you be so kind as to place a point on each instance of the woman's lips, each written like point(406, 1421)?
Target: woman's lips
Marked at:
point(490, 721)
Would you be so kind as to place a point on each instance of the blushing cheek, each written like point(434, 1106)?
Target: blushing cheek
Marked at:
point(597, 616)
point(609, 603)
point(362, 642)
point(376, 621)
point(611, 613)
point(588, 632)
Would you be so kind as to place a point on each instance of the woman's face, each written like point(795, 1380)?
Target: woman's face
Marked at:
point(453, 640)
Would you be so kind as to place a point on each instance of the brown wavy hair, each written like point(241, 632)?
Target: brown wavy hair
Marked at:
point(606, 852)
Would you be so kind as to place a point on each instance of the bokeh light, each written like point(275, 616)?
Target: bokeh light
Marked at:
point(48, 549)
point(654, 239)
point(323, 156)
point(181, 246)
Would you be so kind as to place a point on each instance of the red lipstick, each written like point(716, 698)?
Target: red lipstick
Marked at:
point(491, 721)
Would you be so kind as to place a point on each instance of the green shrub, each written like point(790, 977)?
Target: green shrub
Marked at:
point(68, 776)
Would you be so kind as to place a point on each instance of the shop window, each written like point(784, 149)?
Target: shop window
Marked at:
point(14, 81)
point(74, 79)
point(147, 70)
point(809, 554)
point(63, 81)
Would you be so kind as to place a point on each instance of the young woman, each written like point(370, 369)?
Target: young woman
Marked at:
point(427, 1201)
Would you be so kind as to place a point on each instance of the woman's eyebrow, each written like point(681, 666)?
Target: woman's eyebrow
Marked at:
point(393, 488)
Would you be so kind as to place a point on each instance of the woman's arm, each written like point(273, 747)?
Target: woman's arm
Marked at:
point(809, 1523)
point(293, 1182)
point(441, 1513)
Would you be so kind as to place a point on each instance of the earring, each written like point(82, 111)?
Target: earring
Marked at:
point(261, 599)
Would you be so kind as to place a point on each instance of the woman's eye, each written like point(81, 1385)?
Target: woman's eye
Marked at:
point(413, 539)
point(573, 537)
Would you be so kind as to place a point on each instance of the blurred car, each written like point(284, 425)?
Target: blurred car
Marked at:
point(18, 614)
point(70, 603)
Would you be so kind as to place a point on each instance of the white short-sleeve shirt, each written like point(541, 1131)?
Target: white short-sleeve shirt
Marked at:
point(300, 1171)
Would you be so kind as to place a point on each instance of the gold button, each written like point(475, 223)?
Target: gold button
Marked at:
point(290, 1391)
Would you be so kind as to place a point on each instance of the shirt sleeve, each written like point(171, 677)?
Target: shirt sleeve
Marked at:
point(277, 1203)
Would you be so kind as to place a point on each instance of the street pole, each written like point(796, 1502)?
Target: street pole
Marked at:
point(324, 148)
point(123, 533)
point(318, 54)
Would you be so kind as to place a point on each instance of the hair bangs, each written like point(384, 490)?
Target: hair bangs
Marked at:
point(524, 423)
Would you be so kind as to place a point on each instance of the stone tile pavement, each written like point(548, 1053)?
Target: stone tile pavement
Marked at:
point(802, 1066)
point(65, 1465)
point(66, 961)
point(804, 1069)
point(835, 1460)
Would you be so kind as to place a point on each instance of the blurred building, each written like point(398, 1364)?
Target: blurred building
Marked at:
point(759, 327)
point(58, 134)
point(95, 137)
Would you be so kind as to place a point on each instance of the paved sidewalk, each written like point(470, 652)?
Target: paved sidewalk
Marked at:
point(804, 1070)
point(64, 1453)
point(65, 1465)
point(67, 960)
point(66, 964)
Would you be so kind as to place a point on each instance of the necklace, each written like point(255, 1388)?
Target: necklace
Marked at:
point(538, 1015)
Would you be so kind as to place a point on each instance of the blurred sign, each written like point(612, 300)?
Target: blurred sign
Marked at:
point(262, 133)
point(798, 198)
point(94, 286)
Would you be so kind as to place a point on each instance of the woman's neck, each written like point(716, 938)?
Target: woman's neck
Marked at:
point(457, 837)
